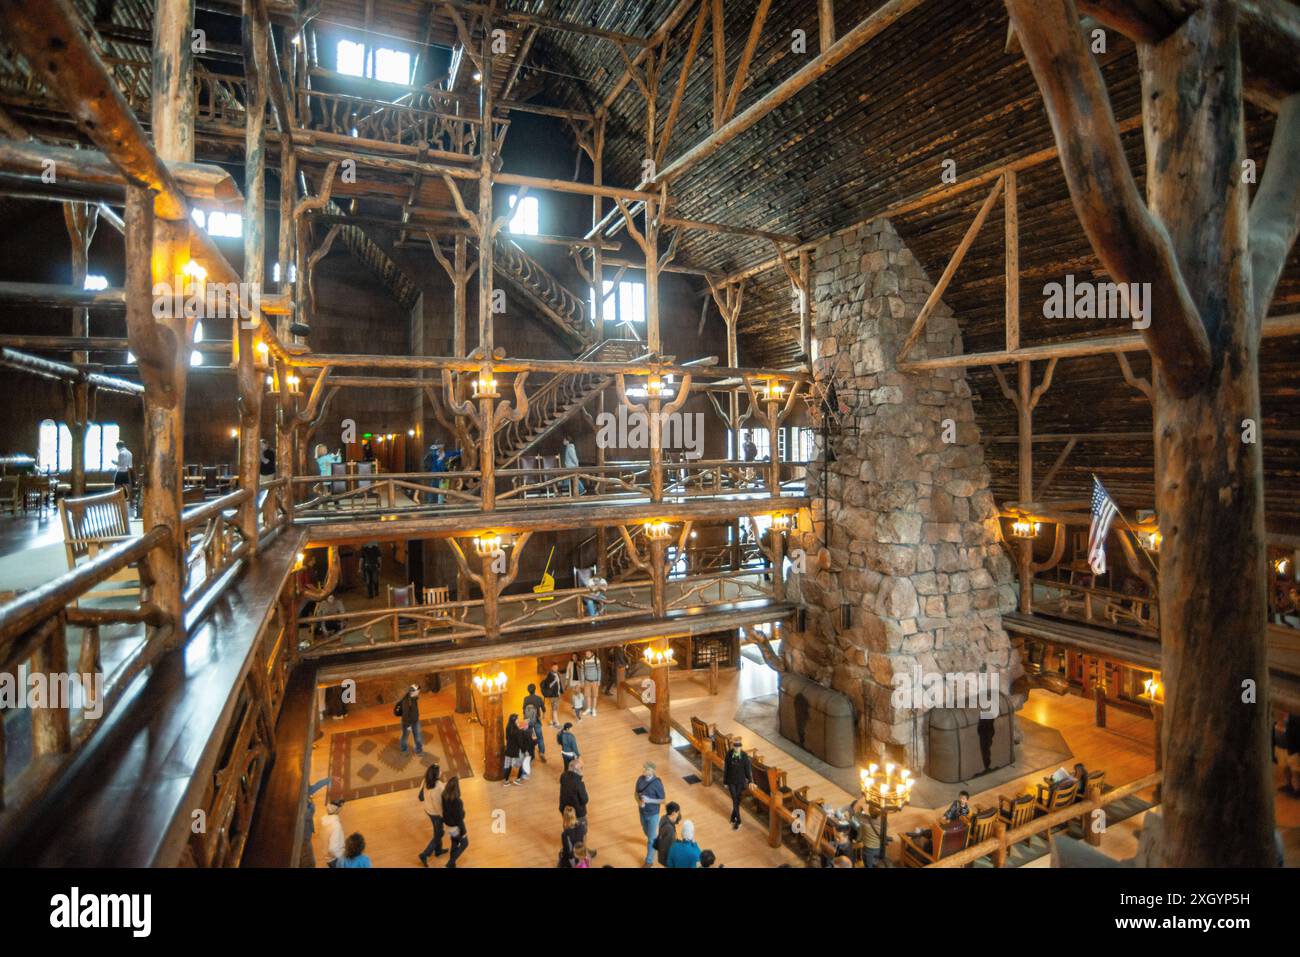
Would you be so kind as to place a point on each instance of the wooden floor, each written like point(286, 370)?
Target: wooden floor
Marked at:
point(526, 832)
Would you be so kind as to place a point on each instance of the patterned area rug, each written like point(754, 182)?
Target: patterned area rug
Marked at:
point(371, 762)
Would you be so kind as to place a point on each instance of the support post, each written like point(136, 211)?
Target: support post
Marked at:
point(464, 692)
point(494, 751)
point(660, 717)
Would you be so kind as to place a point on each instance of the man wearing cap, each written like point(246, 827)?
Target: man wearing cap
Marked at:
point(649, 796)
point(408, 709)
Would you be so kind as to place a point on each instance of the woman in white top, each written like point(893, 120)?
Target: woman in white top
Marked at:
point(431, 797)
point(122, 468)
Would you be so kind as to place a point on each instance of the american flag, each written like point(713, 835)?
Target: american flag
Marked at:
point(1104, 511)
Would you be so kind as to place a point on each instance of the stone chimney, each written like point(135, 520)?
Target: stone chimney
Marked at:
point(914, 559)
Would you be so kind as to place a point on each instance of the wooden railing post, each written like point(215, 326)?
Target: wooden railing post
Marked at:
point(620, 676)
point(1000, 833)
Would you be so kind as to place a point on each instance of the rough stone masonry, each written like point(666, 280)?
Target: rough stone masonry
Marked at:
point(913, 532)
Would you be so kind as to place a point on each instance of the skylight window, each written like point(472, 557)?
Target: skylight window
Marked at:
point(393, 66)
point(527, 216)
point(351, 58)
point(217, 223)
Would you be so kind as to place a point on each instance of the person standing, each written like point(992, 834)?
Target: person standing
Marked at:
point(408, 709)
point(571, 836)
point(354, 852)
point(331, 606)
point(453, 817)
point(325, 459)
point(667, 831)
point(514, 751)
point(122, 469)
point(266, 462)
point(685, 852)
point(649, 798)
point(431, 797)
point(534, 709)
point(569, 459)
point(371, 557)
point(331, 826)
point(617, 660)
point(568, 743)
point(573, 685)
point(750, 449)
point(552, 689)
point(573, 793)
point(737, 775)
point(590, 679)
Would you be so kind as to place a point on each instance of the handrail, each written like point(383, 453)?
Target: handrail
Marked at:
point(1002, 842)
point(30, 609)
point(201, 513)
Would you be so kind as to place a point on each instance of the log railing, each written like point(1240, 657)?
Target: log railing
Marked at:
point(1086, 603)
point(459, 622)
point(1003, 840)
point(545, 292)
point(34, 639)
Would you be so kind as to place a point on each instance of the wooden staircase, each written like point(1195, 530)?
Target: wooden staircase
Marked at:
point(544, 293)
point(558, 400)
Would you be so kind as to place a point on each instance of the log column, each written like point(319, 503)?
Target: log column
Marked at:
point(464, 692)
point(660, 718)
point(494, 751)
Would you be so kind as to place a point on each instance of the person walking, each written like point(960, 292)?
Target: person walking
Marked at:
point(573, 685)
point(685, 852)
point(573, 793)
point(266, 462)
point(572, 835)
point(568, 743)
point(529, 733)
point(569, 459)
point(453, 817)
point(408, 709)
point(514, 751)
point(649, 797)
point(534, 710)
point(737, 775)
point(331, 826)
point(552, 689)
point(431, 797)
point(371, 557)
point(354, 852)
point(667, 831)
point(617, 660)
point(590, 679)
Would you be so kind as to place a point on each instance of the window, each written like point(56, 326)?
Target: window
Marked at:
point(527, 218)
point(54, 450)
point(95, 283)
point(393, 66)
point(352, 58)
point(293, 272)
point(761, 441)
point(627, 305)
point(390, 66)
point(217, 223)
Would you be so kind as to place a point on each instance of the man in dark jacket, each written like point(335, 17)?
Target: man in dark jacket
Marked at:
point(408, 709)
point(737, 774)
point(667, 831)
point(617, 659)
point(370, 560)
point(534, 711)
point(573, 793)
point(552, 688)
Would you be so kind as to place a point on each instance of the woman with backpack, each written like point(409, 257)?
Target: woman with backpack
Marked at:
point(590, 670)
point(514, 751)
point(453, 816)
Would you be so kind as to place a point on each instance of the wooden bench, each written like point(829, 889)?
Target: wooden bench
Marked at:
point(93, 523)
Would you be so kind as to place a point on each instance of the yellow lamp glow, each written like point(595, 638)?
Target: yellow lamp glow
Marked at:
point(195, 271)
point(1151, 540)
point(1023, 528)
point(490, 684)
point(775, 391)
point(658, 531)
point(488, 545)
point(780, 522)
point(654, 385)
point(485, 387)
point(662, 656)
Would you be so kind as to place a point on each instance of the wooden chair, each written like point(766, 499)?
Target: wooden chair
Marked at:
point(551, 463)
point(946, 838)
point(1016, 813)
point(980, 826)
point(93, 523)
point(33, 492)
point(1095, 779)
point(1052, 796)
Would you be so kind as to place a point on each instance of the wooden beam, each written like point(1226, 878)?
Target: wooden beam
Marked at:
point(826, 23)
point(746, 57)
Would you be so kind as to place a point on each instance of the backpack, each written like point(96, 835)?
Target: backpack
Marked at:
point(530, 711)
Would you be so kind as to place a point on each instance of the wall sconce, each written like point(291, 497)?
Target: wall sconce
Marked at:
point(195, 272)
point(1153, 692)
point(1151, 540)
point(490, 684)
point(658, 531)
point(1281, 565)
point(780, 522)
point(485, 546)
point(262, 350)
point(234, 433)
point(655, 658)
point(654, 386)
point(301, 560)
point(486, 388)
point(292, 382)
point(410, 433)
point(1024, 528)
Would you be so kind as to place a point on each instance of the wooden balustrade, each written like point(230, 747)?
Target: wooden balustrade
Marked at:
point(1097, 605)
point(1003, 840)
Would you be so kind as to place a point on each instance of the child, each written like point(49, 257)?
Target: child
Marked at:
point(579, 701)
point(580, 856)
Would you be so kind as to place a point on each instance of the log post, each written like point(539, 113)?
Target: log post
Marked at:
point(653, 340)
point(81, 220)
point(248, 376)
point(660, 717)
point(777, 538)
point(1158, 728)
point(805, 307)
point(1025, 489)
point(494, 751)
point(1091, 834)
point(597, 215)
point(1212, 261)
point(654, 408)
point(1099, 692)
point(713, 675)
point(1000, 832)
point(464, 692)
point(620, 676)
point(658, 576)
point(78, 413)
point(487, 236)
point(491, 589)
point(487, 441)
